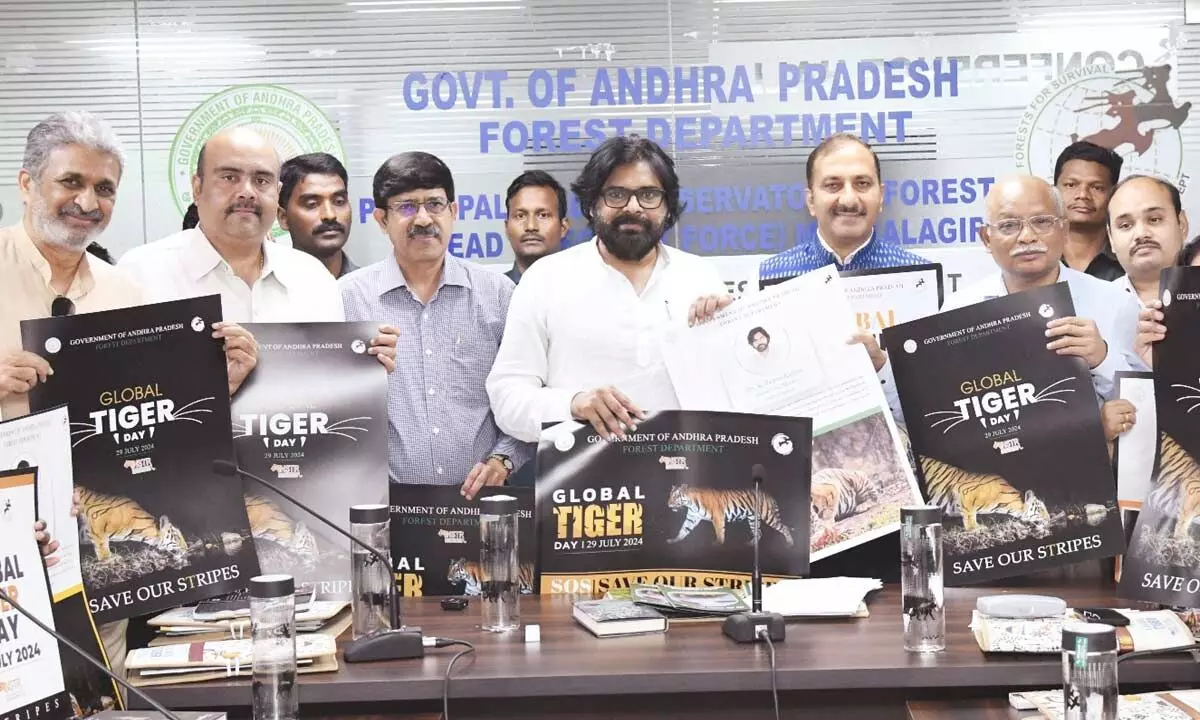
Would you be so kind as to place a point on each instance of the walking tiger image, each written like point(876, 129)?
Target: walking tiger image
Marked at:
point(1176, 494)
point(111, 518)
point(268, 522)
point(720, 507)
point(966, 494)
point(837, 494)
point(463, 570)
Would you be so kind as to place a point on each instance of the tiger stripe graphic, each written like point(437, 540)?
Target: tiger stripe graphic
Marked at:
point(268, 522)
point(720, 507)
point(112, 518)
point(1176, 493)
point(838, 494)
point(968, 494)
point(468, 571)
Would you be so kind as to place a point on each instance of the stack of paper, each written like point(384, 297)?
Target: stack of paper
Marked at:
point(327, 617)
point(194, 662)
point(820, 597)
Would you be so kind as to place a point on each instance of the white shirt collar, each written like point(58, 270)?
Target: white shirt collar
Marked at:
point(201, 257)
point(850, 257)
point(1126, 284)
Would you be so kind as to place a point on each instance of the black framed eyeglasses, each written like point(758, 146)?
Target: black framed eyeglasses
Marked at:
point(618, 197)
point(409, 208)
point(62, 306)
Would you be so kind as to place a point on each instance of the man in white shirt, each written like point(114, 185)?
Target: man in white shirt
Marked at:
point(1147, 227)
point(584, 324)
point(1025, 235)
point(236, 187)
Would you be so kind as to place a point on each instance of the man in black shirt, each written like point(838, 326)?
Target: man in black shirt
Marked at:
point(1085, 174)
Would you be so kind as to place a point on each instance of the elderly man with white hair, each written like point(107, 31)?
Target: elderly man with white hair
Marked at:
point(1026, 233)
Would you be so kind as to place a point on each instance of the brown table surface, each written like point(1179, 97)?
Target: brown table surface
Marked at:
point(966, 710)
point(693, 670)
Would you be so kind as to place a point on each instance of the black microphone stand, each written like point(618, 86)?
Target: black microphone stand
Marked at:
point(748, 627)
point(395, 643)
point(63, 640)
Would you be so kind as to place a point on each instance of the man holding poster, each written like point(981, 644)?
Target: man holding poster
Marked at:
point(607, 371)
point(860, 477)
point(1006, 436)
point(1025, 235)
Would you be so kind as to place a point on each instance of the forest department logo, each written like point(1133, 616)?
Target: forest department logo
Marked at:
point(1130, 112)
point(289, 120)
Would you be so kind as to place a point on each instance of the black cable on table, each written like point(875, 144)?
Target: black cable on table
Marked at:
point(448, 642)
point(771, 651)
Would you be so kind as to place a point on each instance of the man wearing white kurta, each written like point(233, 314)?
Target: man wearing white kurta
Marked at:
point(582, 337)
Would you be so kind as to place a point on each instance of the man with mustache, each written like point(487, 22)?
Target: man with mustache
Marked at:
point(583, 328)
point(1085, 174)
point(845, 196)
point(537, 222)
point(314, 208)
point(68, 181)
point(1148, 227)
point(452, 316)
point(1025, 235)
point(236, 187)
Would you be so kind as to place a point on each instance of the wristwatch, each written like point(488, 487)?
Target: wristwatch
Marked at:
point(505, 461)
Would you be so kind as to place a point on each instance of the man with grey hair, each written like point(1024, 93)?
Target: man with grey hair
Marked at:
point(1026, 232)
point(68, 182)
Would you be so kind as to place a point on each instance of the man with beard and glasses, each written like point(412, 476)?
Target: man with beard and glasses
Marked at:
point(314, 208)
point(1025, 235)
point(584, 325)
point(536, 205)
point(845, 196)
point(236, 187)
point(1085, 175)
point(451, 316)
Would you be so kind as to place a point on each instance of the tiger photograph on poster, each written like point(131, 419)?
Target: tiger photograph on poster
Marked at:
point(992, 416)
point(1162, 564)
point(858, 485)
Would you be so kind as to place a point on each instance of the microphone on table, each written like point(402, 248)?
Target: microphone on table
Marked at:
point(395, 643)
point(745, 627)
point(63, 640)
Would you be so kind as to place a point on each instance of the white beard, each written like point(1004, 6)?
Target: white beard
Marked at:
point(54, 231)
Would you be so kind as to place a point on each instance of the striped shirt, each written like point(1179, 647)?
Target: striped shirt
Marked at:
point(440, 423)
point(809, 255)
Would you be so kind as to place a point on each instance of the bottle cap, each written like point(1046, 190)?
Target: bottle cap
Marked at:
point(1085, 638)
point(920, 515)
point(369, 514)
point(272, 586)
point(498, 505)
point(1021, 606)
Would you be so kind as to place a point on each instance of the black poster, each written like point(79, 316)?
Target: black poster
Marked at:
point(436, 542)
point(1163, 561)
point(672, 503)
point(1007, 437)
point(311, 418)
point(148, 397)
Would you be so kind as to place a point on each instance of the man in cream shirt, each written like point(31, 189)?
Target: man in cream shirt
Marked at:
point(68, 181)
point(236, 187)
point(583, 326)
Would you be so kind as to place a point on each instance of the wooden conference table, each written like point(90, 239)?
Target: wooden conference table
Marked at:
point(839, 669)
